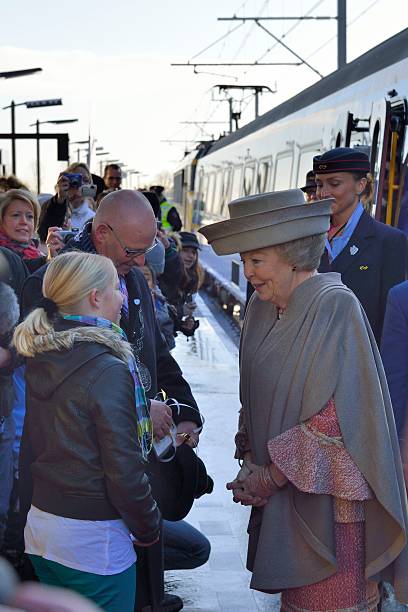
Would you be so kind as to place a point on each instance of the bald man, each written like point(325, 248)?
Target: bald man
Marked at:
point(124, 229)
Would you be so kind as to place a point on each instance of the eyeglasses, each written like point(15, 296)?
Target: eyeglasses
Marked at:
point(132, 252)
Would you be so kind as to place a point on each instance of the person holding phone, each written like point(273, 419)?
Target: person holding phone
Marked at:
point(74, 197)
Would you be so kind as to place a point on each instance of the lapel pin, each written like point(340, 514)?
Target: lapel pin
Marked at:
point(363, 267)
point(353, 250)
point(136, 302)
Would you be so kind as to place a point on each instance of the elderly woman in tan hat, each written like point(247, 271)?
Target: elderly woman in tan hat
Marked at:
point(321, 466)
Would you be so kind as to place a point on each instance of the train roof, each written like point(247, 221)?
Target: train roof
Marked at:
point(389, 52)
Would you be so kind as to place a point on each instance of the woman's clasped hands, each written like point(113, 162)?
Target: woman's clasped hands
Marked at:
point(255, 484)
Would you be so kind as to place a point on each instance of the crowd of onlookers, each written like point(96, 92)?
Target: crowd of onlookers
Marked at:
point(158, 271)
point(97, 424)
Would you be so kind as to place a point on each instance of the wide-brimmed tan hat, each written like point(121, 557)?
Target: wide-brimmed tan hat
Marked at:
point(267, 219)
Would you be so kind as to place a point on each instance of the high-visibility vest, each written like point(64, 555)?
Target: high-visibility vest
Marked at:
point(165, 207)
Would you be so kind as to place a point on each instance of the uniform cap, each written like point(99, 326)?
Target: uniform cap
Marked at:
point(342, 159)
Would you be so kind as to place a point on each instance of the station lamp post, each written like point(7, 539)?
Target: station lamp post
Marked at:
point(101, 153)
point(37, 125)
point(29, 104)
point(78, 150)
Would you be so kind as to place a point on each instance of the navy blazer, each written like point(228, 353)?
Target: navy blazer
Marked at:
point(394, 351)
point(374, 260)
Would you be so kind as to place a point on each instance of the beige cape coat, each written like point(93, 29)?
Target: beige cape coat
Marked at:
point(322, 347)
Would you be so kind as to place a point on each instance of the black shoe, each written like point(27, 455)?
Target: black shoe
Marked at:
point(170, 603)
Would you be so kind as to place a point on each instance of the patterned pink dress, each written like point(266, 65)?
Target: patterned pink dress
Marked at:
point(314, 459)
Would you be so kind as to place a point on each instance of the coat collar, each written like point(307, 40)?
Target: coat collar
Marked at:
point(356, 246)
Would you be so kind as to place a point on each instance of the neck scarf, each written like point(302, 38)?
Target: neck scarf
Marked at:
point(26, 250)
point(144, 423)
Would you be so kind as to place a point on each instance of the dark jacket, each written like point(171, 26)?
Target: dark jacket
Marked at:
point(379, 263)
point(394, 351)
point(158, 369)
point(13, 270)
point(52, 214)
point(80, 442)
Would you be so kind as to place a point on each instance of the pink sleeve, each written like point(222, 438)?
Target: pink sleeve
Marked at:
point(314, 459)
point(241, 437)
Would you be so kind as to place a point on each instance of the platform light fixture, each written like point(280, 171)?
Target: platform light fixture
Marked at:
point(27, 104)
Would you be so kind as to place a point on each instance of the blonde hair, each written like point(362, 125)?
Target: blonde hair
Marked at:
point(24, 196)
point(367, 196)
point(68, 280)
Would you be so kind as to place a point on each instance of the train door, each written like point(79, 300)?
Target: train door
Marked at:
point(391, 175)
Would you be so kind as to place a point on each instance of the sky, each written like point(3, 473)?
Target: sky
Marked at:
point(110, 62)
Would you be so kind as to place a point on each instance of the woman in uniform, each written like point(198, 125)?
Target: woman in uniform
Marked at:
point(370, 256)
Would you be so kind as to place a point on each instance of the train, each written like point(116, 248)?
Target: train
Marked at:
point(363, 104)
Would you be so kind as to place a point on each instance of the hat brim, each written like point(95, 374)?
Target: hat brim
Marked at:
point(265, 229)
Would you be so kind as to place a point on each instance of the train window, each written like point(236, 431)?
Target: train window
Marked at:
point(236, 183)
point(217, 200)
point(374, 147)
point(204, 190)
point(305, 164)
point(283, 173)
point(199, 203)
point(210, 192)
point(178, 187)
point(225, 191)
point(249, 173)
point(262, 177)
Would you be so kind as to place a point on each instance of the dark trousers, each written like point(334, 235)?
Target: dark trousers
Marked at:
point(149, 576)
point(6, 470)
point(184, 546)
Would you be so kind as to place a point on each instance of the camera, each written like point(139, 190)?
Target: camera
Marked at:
point(66, 235)
point(88, 191)
point(75, 180)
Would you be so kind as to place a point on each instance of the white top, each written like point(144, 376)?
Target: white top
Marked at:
point(98, 547)
point(81, 215)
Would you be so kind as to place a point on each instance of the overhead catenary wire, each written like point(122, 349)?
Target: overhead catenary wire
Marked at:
point(250, 31)
point(216, 41)
point(290, 30)
point(350, 23)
